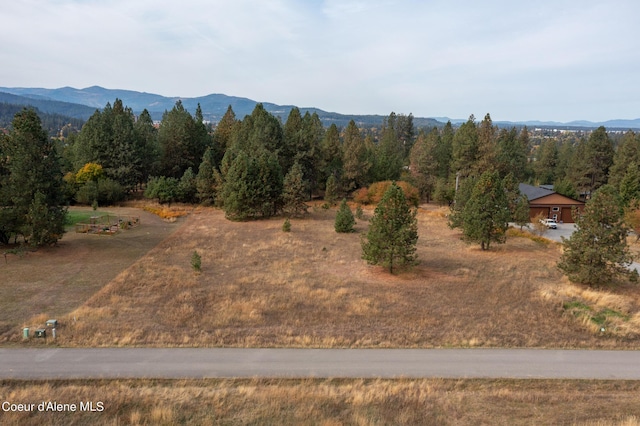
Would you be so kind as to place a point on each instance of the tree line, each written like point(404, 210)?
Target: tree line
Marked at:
point(259, 166)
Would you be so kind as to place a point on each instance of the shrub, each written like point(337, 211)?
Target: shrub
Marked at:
point(344, 218)
point(361, 196)
point(105, 192)
point(374, 193)
point(286, 226)
point(196, 261)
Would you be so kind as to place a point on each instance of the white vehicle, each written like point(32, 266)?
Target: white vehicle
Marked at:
point(549, 223)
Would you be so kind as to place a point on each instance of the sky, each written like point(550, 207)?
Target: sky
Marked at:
point(546, 60)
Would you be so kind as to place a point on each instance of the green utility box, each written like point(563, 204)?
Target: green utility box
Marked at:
point(25, 333)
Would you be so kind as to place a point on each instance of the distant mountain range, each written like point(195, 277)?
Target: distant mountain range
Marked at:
point(82, 103)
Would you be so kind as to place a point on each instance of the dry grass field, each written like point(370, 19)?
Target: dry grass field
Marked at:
point(330, 402)
point(56, 280)
point(261, 287)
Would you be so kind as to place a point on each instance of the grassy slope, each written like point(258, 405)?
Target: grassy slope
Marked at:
point(262, 287)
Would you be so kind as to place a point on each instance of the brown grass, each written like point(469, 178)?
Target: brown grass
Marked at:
point(330, 402)
point(261, 287)
point(53, 281)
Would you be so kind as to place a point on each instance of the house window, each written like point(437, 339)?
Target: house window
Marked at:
point(555, 209)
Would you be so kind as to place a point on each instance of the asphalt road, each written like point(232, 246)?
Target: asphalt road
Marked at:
point(176, 363)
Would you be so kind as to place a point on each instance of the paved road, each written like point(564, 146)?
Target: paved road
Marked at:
point(320, 363)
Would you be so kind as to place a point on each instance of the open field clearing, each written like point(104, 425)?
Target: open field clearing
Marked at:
point(261, 287)
point(56, 280)
point(330, 402)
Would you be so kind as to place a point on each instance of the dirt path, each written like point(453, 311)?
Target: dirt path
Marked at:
point(76, 268)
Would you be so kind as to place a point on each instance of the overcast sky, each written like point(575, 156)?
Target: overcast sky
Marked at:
point(544, 60)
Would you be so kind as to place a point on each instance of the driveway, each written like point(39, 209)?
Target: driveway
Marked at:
point(183, 363)
point(565, 230)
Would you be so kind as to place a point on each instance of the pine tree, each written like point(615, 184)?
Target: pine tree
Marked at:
point(183, 140)
point(486, 214)
point(294, 193)
point(344, 218)
point(331, 192)
point(354, 158)
point(206, 182)
point(486, 159)
point(521, 212)
point(511, 155)
point(545, 164)
point(465, 148)
point(32, 194)
point(630, 185)
point(597, 252)
point(628, 152)
point(424, 163)
point(600, 154)
point(331, 163)
point(393, 232)
point(389, 154)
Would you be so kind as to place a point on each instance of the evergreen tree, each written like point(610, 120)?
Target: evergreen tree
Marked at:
point(252, 187)
point(565, 156)
point(331, 154)
point(393, 232)
point(109, 138)
point(32, 191)
point(223, 134)
point(486, 158)
point(599, 158)
point(293, 139)
point(388, 157)
point(565, 187)
point(258, 132)
point(187, 187)
point(579, 169)
point(354, 158)
point(183, 140)
point(309, 153)
point(597, 252)
point(444, 151)
point(424, 163)
point(344, 218)
point(331, 191)
point(460, 199)
point(206, 182)
point(294, 192)
point(511, 155)
point(164, 189)
point(465, 148)
point(148, 147)
point(521, 213)
point(545, 164)
point(628, 152)
point(630, 185)
point(486, 214)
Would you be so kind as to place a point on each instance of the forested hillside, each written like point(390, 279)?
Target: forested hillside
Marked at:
point(54, 124)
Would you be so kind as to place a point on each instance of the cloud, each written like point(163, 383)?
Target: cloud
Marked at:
point(429, 58)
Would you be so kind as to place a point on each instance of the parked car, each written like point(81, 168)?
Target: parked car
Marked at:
point(549, 223)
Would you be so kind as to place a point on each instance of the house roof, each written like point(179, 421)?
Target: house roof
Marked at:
point(534, 192)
